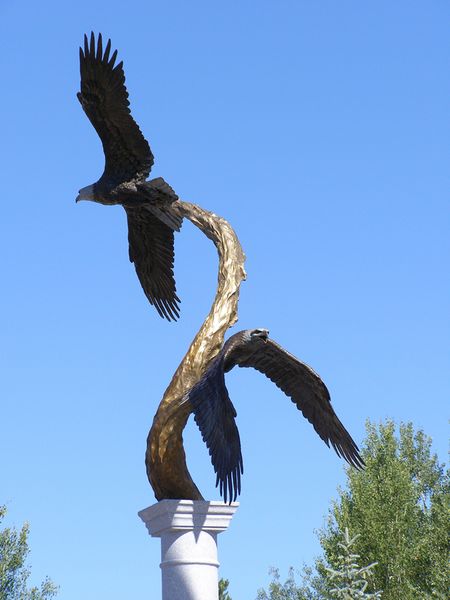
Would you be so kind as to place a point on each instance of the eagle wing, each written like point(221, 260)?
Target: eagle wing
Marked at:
point(151, 249)
point(104, 99)
point(215, 415)
point(307, 391)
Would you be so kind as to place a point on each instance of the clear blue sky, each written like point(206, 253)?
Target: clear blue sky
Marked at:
point(320, 131)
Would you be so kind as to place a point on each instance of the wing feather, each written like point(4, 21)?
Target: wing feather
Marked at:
point(305, 388)
point(104, 99)
point(151, 249)
point(215, 415)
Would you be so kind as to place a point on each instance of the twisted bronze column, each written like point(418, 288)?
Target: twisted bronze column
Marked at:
point(165, 458)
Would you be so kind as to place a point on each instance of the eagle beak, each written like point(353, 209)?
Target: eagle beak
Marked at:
point(86, 193)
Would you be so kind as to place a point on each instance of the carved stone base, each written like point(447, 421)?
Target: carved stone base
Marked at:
point(188, 530)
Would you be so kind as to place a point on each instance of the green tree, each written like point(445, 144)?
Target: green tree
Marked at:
point(14, 573)
point(290, 589)
point(399, 507)
point(349, 580)
point(399, 504)
point(223, 590)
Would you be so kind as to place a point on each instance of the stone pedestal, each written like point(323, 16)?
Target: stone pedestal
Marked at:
point(188, 530)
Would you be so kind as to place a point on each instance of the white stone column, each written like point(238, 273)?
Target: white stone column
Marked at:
point(188, 530)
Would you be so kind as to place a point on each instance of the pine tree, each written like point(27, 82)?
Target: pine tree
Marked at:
point(351, 580)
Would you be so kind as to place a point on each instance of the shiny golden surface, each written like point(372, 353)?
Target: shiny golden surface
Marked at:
point(165, 458)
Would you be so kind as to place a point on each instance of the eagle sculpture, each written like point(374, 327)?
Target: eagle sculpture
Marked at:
point(215, 415)
point(152, 219)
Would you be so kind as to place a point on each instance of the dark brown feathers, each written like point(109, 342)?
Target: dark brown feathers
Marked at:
point(128, 160)
point(151, 251)
point(104, 99)
point(215, 415)
point(308, 392)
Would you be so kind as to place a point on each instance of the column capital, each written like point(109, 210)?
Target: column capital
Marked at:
point(187, 515)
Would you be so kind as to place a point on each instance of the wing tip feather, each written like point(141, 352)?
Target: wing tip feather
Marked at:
point(107, 51)
point(112, 60)
point(93, 50)
point(99, 47)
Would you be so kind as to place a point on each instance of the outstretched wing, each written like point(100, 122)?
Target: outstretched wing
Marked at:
point(104, 99)
point(215, 415)
point(307, 391)
point(151, 249)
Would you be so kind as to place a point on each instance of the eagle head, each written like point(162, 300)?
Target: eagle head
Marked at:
point(86, 193)
point(262, 334)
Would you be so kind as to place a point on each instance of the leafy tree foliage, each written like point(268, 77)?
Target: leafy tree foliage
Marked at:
point(399, 510)
point(223, 590)
point(14, 573)
point(400, 507)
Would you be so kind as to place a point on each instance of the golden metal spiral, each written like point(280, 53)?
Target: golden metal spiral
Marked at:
point(165, 457)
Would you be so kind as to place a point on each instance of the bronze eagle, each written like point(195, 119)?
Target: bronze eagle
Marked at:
point(215, 414)
point(152, 219)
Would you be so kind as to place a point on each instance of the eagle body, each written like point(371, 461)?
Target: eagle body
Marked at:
point(156, 195)
point(151, 216)
point(215, 414)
